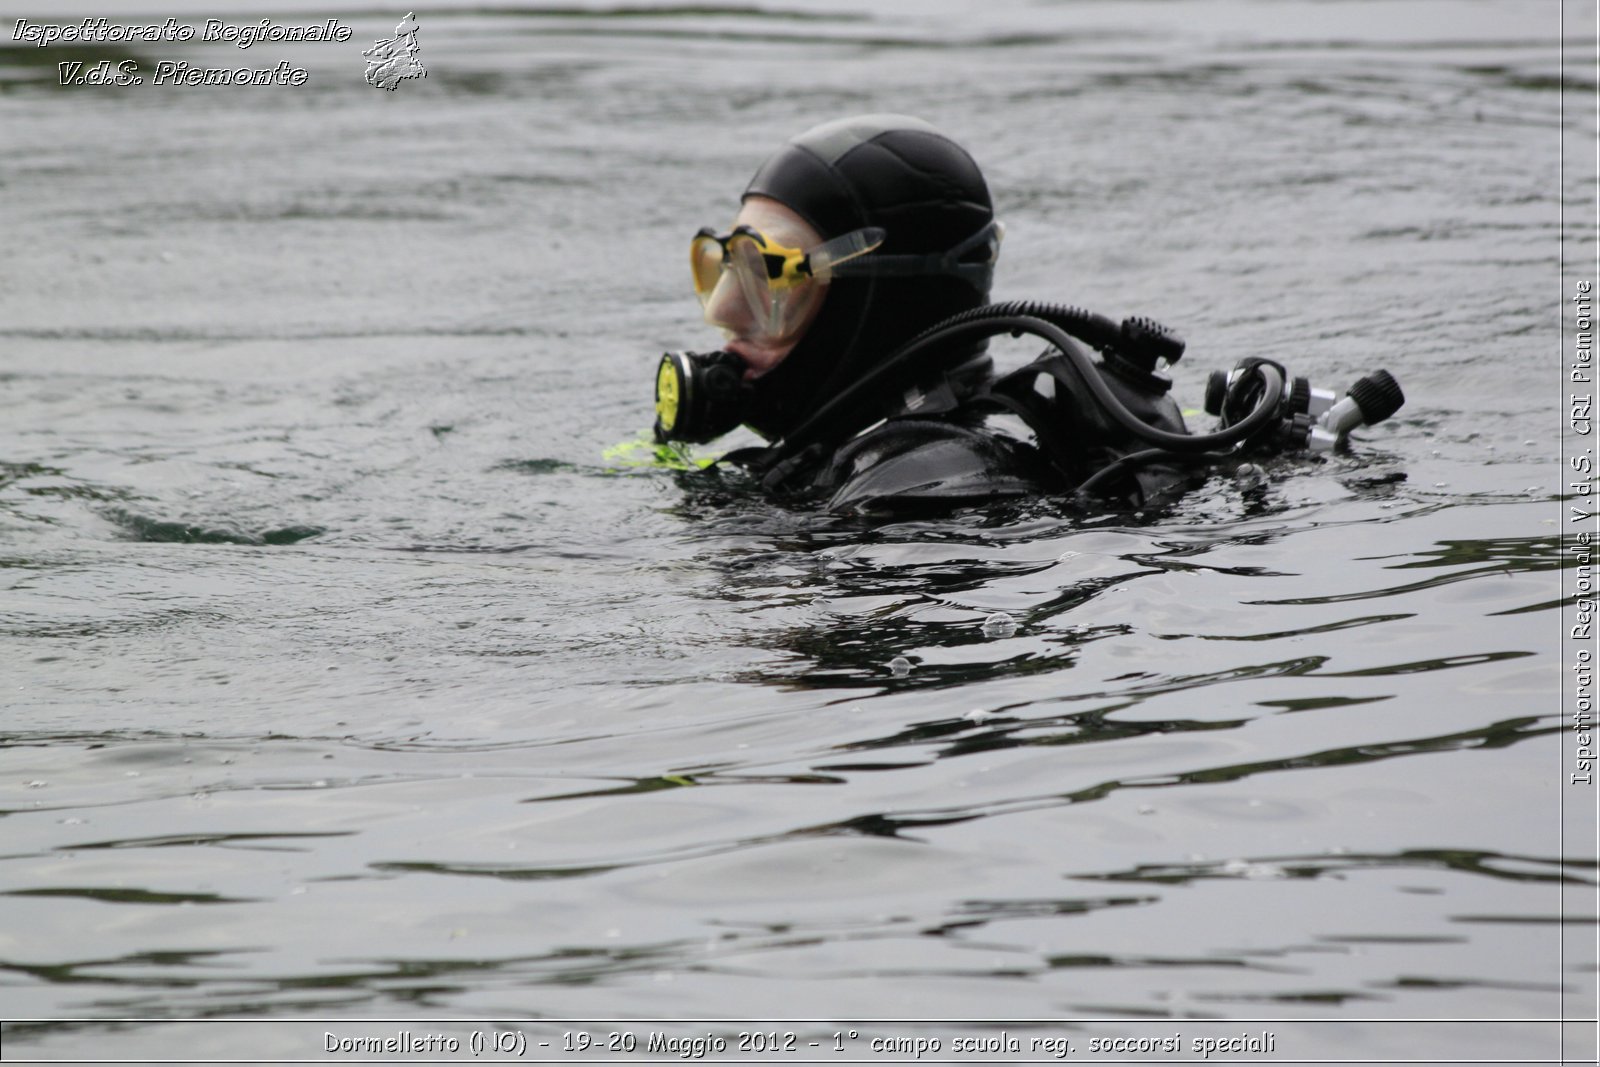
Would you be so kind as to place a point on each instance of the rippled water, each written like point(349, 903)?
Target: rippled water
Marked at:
point(344, 677)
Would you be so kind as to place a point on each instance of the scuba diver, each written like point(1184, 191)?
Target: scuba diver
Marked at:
point(853, 295)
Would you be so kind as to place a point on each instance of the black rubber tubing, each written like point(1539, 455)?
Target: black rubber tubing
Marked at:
point(995, 319)
point(1141, 459)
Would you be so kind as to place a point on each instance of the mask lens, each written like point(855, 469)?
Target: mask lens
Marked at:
point(705, 262)
point(749, 269)
point(790, 310)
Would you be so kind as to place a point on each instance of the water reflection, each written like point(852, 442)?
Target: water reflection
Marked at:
point(1489, 558)
point(471, 715)
point(1486, 864)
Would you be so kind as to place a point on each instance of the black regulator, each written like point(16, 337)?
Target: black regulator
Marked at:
point(699, 395)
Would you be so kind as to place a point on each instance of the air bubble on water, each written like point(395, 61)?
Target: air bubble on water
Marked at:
point(1250, 476)
point(899, 666)
point(1065, 556)
point(35, 784)
point(999, 625)
point(979, 714)
point(72, 820)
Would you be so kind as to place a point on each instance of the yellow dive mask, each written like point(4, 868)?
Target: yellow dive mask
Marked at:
point(755, 287)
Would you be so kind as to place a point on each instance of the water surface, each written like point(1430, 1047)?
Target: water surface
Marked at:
point(344, 677)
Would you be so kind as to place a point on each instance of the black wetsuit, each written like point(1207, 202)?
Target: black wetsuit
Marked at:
point(914, 463)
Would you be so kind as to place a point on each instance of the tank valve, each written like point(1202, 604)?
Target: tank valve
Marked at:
point(1370, 400)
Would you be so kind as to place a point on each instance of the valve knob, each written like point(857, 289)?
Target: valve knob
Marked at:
point(1150, 339)
point(1378, 396)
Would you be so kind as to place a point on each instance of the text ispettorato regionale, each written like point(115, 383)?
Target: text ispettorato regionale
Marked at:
point(102, 31)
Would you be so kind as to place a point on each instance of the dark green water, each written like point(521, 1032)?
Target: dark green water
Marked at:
point(344, 677)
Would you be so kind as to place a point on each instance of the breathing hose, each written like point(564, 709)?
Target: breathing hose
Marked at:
point(1055, 323)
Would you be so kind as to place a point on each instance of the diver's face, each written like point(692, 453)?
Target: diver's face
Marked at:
point(745, 334)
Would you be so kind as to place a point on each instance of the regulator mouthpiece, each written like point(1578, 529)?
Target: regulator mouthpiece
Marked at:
point(699, 396)
point(1370, 400)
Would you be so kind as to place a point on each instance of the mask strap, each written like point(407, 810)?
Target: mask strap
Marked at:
point(947, 262)
point(829, 255)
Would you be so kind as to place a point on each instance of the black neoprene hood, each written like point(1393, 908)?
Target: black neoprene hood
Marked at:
point(889, 171)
